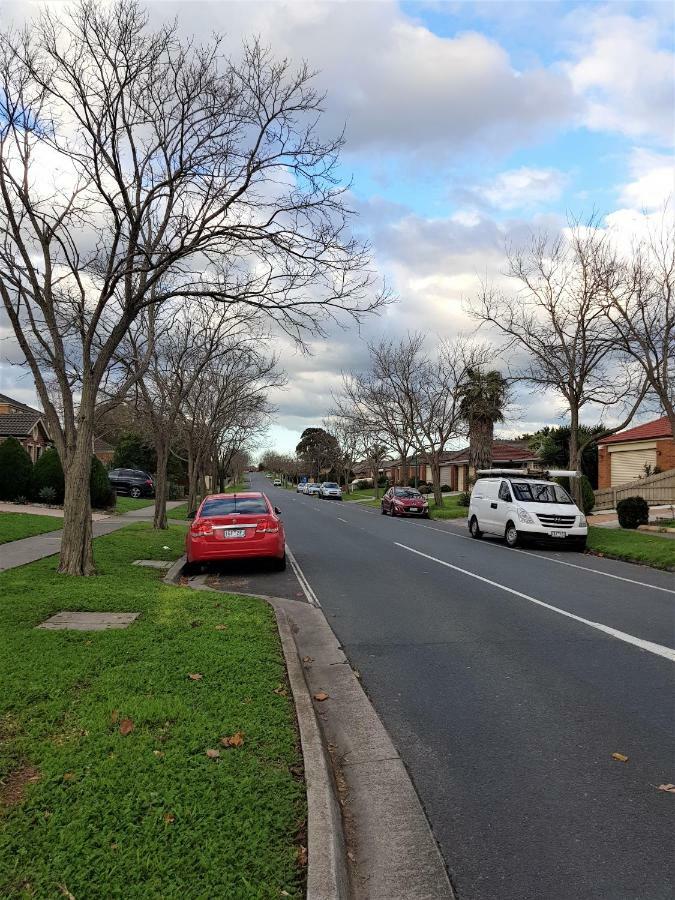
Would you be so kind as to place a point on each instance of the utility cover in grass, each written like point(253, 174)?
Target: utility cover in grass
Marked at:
point(153, 563)
point(88, 621)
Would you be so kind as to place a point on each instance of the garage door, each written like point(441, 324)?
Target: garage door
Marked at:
point(628, 465)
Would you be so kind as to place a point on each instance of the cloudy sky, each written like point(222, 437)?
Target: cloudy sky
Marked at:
point(467, 124)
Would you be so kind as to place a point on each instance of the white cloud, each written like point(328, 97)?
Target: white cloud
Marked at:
point(624, 73)
point(653, 180)
point(522, 188)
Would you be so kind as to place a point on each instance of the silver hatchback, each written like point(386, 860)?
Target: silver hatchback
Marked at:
point(329, 490)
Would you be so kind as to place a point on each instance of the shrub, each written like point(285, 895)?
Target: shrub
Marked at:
point(100, 489)
point(632, 511)
point(445, 488)
point(16, 470)
point(47, 495)
point(424, 487)
point(587, 495)
point(361, 485)
point(464, 498)
point(383, 481)
point(175, 491)
point(47, 472)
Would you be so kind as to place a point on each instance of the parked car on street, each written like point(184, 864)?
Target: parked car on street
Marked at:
point(329, 490)
point(236, 526)
point(312, 489)
point(402, 501)
point(521, 508)
point(277, 482)
point(300, 487)
point(134, 482)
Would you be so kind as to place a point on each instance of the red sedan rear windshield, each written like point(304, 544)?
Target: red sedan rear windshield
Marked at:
point(227, 506)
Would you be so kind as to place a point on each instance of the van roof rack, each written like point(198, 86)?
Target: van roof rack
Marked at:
point(530, 472)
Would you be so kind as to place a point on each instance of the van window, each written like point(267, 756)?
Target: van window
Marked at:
point(504, 492)
point(533, 492)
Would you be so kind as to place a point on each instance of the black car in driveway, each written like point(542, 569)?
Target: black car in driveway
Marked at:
point(134, 482)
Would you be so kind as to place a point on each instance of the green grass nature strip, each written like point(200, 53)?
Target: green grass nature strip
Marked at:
point(127, 504)
point(146, 814)
point(633, 546)
point(15, 526)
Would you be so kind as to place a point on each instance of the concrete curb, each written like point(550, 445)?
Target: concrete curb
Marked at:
point(327, 875)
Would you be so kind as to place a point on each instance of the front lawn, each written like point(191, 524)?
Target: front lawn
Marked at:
point(127, 504)
point(106, 789)
point(366, 494)
point(450, 509)
point(178, 512)
point(633, 546)
point(14, 526)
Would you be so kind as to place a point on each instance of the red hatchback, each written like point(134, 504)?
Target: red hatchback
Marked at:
point(236, 526)
point(401, 501)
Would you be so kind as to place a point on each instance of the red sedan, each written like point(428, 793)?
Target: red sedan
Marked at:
point(236, 526)
point(401, 501)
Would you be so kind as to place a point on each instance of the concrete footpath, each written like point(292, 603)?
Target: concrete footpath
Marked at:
point(27, 550)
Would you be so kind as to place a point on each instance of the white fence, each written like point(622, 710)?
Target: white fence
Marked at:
point(656, 489)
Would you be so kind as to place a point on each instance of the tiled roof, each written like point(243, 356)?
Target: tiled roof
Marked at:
point(24, 407)
point(502, 452)
point(101, 446)
point(18, 424)
point(659, 428)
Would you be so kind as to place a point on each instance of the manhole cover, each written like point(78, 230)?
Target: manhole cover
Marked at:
point(153, 563)
point(88, 621)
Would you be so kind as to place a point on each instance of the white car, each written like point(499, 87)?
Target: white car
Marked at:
point(312, 489)
point(329, 490)
point(518, 507)
point(277, 482)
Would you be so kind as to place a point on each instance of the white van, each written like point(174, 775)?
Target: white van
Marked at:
point(517, 506)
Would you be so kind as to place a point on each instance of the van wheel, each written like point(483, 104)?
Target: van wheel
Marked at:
point(474, 529)
point(511, 535)
point(135, 492)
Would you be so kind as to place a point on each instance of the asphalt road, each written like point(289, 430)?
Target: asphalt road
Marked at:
point(507, 680)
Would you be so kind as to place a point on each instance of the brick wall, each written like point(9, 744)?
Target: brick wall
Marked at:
point(665, 454)
point(604, 468)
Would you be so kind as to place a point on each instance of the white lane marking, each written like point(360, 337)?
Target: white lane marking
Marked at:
point(657, 649)
point(300, 575)
point(342, 520)
point(560, 562)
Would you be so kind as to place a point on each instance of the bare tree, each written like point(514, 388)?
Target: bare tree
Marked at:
point(347, 440)
point(176, 174)
point(188, 339)
point(557, 318)
point(639, 301)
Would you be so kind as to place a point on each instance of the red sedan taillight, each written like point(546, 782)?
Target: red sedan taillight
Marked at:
point(267, 526)
point(201, 528)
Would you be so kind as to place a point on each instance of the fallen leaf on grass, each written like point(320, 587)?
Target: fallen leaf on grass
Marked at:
point(221, 627)
point(619, 757)
point(668, 788)
point(213, 754)
point(235, 740)
point(302, 856)
point(169, 818)
point(158, 752)
point(183, 580)
point(322, 695)
point(280, 691)
point(195, 676)
point(166, 548)
point(66, 893)
point(69, 776)
point(126, 726)
point(115, 716)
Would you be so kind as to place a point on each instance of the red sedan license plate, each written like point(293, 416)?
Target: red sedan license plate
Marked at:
point(232, 533)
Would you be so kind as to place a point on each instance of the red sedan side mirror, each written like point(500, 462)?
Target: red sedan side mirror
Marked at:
point(277, 510)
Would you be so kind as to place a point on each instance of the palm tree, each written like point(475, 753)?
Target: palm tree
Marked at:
point(484, 397)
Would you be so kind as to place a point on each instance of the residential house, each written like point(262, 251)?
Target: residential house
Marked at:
point(634, 453)
point(24, 423)
point(103, 450)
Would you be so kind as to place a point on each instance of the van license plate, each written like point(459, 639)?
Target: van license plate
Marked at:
point(234, 534)
point(558, 534)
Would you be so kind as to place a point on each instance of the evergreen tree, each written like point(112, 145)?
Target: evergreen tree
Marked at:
point(16, 470)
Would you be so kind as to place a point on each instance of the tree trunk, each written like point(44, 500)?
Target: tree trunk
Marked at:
point(481, 434)
point(436, 481)
point(192, 483)
point(161, 483)
point(77, 556)
point(575, 456)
